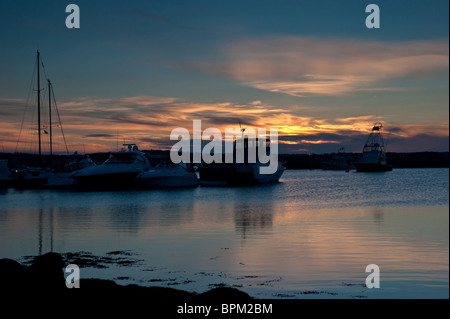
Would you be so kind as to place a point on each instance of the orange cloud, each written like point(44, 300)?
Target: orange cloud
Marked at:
point(94, 125)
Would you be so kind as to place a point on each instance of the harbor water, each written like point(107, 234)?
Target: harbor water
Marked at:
point(309, 236)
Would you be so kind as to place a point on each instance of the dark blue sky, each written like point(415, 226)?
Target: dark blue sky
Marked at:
point(304, 62)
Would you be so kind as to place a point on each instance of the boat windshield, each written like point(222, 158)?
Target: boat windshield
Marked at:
point(121, 158)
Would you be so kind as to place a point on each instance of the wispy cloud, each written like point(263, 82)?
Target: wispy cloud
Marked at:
point(308, 66)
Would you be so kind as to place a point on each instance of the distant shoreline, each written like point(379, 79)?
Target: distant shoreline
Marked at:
point(292, 161)
point(398, 160)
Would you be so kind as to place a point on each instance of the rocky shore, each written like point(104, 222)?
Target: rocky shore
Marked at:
point(38, 288)
point(43, 282)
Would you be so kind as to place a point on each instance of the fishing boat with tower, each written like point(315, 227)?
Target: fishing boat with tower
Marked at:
point(373, 157)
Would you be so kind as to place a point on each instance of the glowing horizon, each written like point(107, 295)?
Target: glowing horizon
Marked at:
point(98, 125)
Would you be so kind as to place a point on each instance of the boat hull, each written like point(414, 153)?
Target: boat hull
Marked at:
point(236, 174)
point(30, 183)
point(31, 178)
point(268, 178)
point(372, 167)
point(164, 182)
point(61, 180)
point(336, 167)
point(5, 175)
point(226, 174)
point(122, 180)
point(6, 183)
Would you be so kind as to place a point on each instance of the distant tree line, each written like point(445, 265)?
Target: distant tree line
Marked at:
point(292, 161)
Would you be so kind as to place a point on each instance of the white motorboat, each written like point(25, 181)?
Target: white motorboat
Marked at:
point(120, 170)
point(168, 176)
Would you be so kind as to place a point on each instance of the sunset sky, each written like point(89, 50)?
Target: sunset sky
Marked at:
point(135, 70)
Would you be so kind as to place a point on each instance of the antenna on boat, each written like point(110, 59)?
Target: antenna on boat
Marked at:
point(242, 129)
point(131, 146)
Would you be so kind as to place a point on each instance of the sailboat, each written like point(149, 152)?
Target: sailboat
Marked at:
point(42, 176)
point(373, 157)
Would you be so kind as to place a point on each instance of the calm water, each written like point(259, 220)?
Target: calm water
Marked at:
point(309, 236)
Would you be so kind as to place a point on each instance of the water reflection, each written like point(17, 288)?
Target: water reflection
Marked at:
point(171, 213)
point(250, 219)
point(378, 215)
point(324, 227)
point(45, 232)
point(126, 218)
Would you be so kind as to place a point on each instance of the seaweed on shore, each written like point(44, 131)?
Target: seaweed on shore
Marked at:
point(88, 259)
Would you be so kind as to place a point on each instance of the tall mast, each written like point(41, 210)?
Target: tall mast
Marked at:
point(39, 107)
point(50, 117)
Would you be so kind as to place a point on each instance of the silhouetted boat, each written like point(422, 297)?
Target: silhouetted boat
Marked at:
point(373, 158)
point(236, 173)
point(120, 170)
point(31, 177)
point(6, 180)
point(338, 161)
